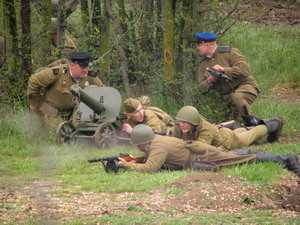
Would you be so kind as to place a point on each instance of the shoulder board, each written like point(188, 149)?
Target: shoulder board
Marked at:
point(224, 49)
point(55, 71)
point(92, 74)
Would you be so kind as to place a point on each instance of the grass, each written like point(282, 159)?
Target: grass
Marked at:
point(28, 154)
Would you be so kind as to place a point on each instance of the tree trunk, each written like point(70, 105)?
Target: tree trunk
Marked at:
point(105, 41)
point(158, 34)
point(145, 32)
point(61, 27)
point(45, 35)
point(25, 40)
point(122, 56)
point(169, 39)
point(96, 9)
point(122, 14)
point(85, 15)
point(12, 48)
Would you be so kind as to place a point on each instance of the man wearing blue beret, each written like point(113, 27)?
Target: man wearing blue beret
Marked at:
point(241, 88)
point(49, 88)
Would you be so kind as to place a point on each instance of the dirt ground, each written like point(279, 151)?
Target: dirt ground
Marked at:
point(269, 12)
point(200, 192)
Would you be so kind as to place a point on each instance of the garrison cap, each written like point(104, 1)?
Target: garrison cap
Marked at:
point(81, 58)
point(206, 37)
point(131, 105)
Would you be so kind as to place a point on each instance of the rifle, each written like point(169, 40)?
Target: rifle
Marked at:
point(111, 164)
point(221, 76)
point(225, 124)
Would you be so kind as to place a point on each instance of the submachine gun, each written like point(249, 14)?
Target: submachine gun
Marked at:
point(96, 117)
point(110, 163)
point(221, 76)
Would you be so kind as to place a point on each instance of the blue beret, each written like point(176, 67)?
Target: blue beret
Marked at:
point(81, 58)
point(206, 37)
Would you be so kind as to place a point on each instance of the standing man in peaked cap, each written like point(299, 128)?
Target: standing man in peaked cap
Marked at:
point(241, 90)
point(48, 89)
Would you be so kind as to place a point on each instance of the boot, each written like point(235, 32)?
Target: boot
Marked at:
point(250, 120)
point(292, 164)
point(274, 126)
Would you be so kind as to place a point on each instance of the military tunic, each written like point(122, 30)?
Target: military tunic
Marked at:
point(152, 120)
point(246, 89)
point(172, 153)
point(48, 90)
point(207, 133)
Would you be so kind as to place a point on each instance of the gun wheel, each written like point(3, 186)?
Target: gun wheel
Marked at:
point(105, 135)
point(64, 133)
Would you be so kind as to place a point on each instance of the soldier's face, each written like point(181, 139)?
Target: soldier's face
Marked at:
point(144, 147)
point(185, 126)
point(78, 71)
point(206, 49)
point(137, 115)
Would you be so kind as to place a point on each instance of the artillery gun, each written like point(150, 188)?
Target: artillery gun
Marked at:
point(96, 117)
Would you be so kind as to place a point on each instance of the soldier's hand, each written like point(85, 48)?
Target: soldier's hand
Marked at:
point(126, 128)
point(211, 79)
point(121, 162)
point(33, 108)
point(218, 68)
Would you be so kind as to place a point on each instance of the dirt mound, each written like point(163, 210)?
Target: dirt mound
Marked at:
point(287, 194)
point(270, 12)
point(224, 193)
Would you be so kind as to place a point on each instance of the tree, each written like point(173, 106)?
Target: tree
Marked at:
point(105, 40)
point(25, 41)
point(85, 15)
point(168, 39)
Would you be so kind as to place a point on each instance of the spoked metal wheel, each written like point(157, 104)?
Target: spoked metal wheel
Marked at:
point(105, 135)
point(64, 133)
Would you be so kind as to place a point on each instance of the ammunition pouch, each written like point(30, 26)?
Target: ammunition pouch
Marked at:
point(199, 164)
point(195, 163)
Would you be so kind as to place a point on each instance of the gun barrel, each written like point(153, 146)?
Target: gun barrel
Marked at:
point(86, 99)
point(107, 158)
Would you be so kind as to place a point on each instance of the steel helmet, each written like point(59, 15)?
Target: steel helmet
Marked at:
point(141, 134)
point(188, 114)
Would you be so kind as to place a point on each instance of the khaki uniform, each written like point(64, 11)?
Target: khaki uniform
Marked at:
point(244, 85)
point(207, 133)
point(172, 153)
point(152, 120)
point(48, 90)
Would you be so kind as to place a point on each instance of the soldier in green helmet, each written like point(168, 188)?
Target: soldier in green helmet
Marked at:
point(165, 152)
point(48, 89)
point(193, 127)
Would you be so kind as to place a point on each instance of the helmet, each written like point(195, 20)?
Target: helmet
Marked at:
point(141, 134)
point(188, 114)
